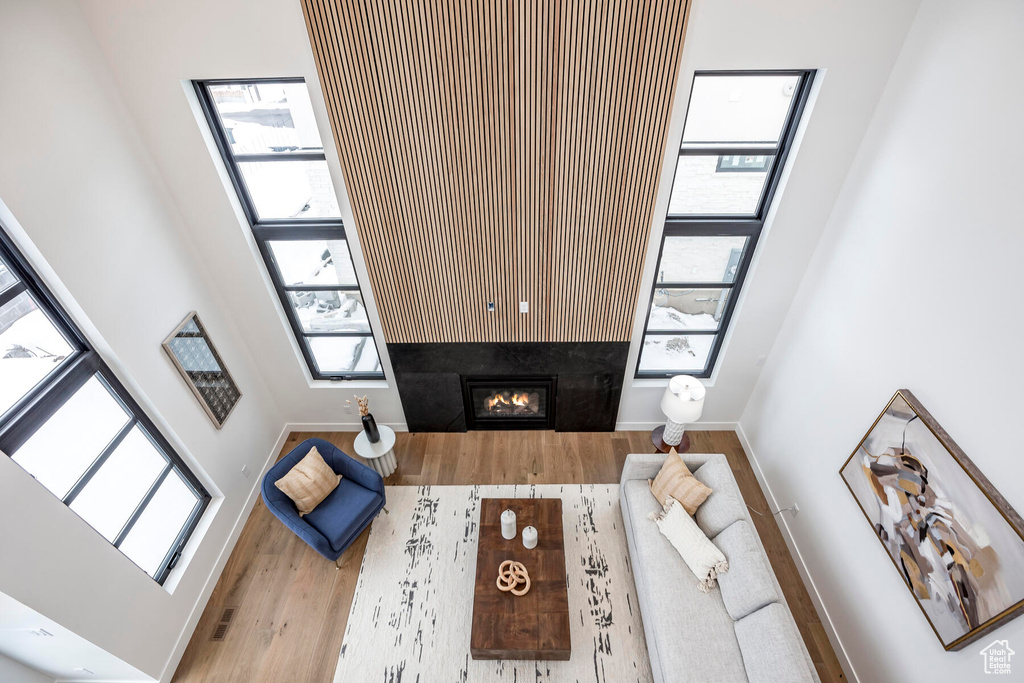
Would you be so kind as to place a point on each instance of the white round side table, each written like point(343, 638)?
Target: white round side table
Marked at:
point(381, 455)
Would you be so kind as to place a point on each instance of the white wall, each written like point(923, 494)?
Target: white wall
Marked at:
point(855, 43)
point(12, 671)
point(916, 284)
point(60, 655)
point(85, 199)
point(152, 47)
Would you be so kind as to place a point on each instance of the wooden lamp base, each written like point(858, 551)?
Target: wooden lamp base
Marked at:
point(659, 443)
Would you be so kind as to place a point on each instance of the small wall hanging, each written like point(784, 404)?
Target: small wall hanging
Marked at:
point(197, 360)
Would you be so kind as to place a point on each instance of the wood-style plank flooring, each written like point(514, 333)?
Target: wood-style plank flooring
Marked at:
point(290, 604)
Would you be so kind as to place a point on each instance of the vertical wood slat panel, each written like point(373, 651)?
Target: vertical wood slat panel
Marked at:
point(501, 150)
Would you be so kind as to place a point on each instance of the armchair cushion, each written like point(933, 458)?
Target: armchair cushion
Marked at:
point(344, 512)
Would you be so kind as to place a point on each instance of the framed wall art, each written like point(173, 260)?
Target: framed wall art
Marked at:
point(957, 543)
point(197, 360)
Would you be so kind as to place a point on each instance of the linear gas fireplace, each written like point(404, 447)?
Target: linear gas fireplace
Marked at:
point(509, 402)
point(434, 383)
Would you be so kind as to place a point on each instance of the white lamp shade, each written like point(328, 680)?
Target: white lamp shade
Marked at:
point(683, 401)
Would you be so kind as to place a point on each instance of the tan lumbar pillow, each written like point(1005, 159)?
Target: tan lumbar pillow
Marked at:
point(675, 481)
point(309, 482)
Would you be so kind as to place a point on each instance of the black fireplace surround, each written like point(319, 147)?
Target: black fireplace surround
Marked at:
point(587, 382)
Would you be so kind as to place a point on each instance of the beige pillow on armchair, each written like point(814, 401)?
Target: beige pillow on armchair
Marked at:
point(309, 482)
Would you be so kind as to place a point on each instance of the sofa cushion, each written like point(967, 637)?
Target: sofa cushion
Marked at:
point(749, 584)
point(343, 512)
point(641, 502)
point(693, 634)
point(675, 481)
point(309, 482)
point(772, 648)
point(725, 505)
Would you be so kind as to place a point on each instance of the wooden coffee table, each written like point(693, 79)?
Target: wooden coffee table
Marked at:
point(535, 625)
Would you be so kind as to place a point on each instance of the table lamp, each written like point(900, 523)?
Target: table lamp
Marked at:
point(682, 404)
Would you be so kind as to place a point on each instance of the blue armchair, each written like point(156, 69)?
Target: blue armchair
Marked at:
point(336, 522)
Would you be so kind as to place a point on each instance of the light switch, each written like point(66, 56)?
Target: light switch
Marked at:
point(524, 306)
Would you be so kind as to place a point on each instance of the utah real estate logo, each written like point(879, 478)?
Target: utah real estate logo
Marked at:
point(997, 657)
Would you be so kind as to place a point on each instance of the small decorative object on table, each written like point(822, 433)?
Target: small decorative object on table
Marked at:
point(530, 538)
point(369, 424)
point(682, 403)
point(512, 574)
point(508, 525)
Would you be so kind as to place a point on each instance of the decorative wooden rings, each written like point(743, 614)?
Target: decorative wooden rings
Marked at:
point(511, 575)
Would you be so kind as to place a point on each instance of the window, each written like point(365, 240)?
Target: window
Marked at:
point(267, 134)
point(738, 131)
point(67, 420)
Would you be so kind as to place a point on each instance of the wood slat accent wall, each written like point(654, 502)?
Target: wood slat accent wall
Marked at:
point(501, 150)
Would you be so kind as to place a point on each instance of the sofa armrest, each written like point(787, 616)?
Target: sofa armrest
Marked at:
point(647, 465)
point(641, 466)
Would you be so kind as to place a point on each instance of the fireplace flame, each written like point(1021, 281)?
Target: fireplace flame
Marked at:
point(516, 399)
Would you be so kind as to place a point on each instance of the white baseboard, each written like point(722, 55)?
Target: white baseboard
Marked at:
point(339, 426)
point(698, 427)
point(222, 560)
point(787, 535)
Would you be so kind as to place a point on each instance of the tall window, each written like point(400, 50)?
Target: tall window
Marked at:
point(268, 137)
point(738, 131)
point(68, 421)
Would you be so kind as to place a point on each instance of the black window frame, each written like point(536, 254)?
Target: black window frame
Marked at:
point(33, 409)
point(299, 229)
point(715, 225)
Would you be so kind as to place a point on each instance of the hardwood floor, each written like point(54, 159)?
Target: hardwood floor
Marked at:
point(290, 605)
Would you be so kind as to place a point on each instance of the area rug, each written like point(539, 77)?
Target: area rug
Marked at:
point(413, 605)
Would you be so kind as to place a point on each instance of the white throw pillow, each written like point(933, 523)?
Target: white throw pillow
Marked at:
point(703, 558)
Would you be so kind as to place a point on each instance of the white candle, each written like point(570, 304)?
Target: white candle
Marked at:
point(529, 538)
point(508, 525)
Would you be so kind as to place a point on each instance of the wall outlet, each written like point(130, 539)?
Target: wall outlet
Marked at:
point(245, 471)
point(524, 306)
point(348, 409)
point(795, 509)
point(490, 307)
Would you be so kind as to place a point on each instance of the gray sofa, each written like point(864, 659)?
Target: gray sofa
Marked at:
point(742, 630)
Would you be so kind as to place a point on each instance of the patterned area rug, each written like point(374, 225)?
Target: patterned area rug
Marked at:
point(413, 605)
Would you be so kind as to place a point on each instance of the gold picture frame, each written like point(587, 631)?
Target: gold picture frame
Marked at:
point(194, 355)
point(956, 542)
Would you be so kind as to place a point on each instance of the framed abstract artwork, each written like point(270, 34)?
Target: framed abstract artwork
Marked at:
point(957, 543)
point(197, 360)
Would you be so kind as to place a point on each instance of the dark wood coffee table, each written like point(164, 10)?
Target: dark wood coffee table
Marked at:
point(535, 625)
